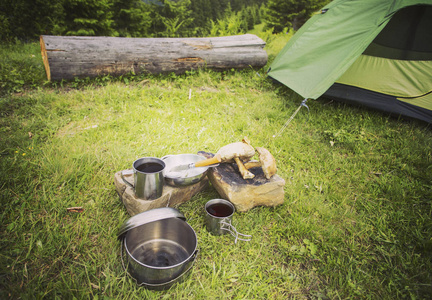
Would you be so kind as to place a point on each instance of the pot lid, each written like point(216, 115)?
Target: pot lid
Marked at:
point(148, 217)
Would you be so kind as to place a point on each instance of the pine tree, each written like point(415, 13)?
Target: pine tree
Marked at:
point(173, 18)
point(89, 17)
point(201, 14)
point(287, 14)
point(27, 19)
point(131, 18)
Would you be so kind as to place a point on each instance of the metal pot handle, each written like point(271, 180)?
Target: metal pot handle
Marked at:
point(157, 285)
point(127, 172)
point(166, 156)
point(226, 225)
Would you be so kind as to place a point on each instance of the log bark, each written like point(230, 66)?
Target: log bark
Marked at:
point(66, 57)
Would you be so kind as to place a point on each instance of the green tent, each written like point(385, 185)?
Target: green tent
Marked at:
point(376, 53)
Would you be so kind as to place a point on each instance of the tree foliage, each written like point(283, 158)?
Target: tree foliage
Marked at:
point(286, 14)
point(89, 17)
point(131, 18)
point(27, 19)
point(173, 18)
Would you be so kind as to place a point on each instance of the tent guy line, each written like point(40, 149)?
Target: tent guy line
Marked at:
point(303, 103)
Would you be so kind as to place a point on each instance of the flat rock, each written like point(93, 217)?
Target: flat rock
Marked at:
point(171, 196)
point(246, 193)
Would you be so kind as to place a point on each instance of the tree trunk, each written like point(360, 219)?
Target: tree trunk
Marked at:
point(66, 57)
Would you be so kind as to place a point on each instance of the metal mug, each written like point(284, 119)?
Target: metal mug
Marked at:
point(148, 177)
point(219, 214)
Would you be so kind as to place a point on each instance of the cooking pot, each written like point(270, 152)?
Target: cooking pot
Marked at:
point(160, 247)
point(192, 176)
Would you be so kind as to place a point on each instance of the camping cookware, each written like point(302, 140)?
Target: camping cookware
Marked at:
point(160, 247)
point(185, 169)
point(218, 218)
point(148, 177)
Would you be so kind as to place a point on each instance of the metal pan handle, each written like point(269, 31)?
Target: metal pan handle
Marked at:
point(231, 229)
point(191, 263)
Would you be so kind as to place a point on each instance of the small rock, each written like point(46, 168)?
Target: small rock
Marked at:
point(171, 196)
point(246, 193)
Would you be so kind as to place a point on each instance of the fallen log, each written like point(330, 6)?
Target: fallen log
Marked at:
point(66, 57)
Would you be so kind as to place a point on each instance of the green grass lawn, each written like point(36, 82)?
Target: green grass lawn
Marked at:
point(355, 224)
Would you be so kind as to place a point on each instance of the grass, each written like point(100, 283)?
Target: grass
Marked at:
point(356, 222)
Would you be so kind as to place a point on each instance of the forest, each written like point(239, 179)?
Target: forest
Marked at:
point(25, 20)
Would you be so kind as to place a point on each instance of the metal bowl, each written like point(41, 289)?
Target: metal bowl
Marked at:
point(192, 175)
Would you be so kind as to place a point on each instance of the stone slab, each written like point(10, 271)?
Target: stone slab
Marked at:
point(171, 196)
point(246, 193)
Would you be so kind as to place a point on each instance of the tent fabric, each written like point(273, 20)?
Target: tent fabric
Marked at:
point(421, 101)
point(407, 36)
point(330, 42)
point(400, 78)
point(382, 102)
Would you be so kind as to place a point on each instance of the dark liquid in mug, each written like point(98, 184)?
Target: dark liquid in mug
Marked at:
point(150, 167)
point(220, 210)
